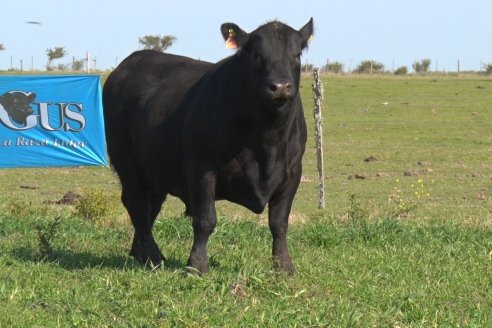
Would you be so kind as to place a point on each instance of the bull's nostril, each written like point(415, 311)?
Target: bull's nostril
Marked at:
point(273, 87)
point(280, 90)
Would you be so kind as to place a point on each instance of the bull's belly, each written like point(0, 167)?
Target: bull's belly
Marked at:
point(250, 193)
point(249, 200)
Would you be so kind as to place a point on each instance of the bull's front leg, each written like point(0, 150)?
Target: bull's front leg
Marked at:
point(201, 184)
point(278, 220)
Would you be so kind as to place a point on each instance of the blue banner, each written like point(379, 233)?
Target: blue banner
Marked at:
point(51, 121)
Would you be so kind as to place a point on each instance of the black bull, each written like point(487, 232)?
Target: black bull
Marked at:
point(233, 130)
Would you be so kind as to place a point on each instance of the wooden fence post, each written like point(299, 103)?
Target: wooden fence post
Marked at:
point(318, 98)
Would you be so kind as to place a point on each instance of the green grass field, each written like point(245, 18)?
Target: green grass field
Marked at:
point(441, 122)
point(390, 249)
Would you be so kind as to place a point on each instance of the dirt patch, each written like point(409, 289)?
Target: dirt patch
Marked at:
point(411, 173)
point(424, 163)
point(30, 187)
point(370, 159)
point(70, 198)
point(357, 176)
point(416, 173)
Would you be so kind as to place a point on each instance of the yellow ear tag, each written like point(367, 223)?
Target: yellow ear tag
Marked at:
point(231, 43)
point(311, 37)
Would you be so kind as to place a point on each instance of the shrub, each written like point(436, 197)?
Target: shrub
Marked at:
point(62, 67)
point(403, 203)
point(335, 67)
point(46, 232)
point(403, 70)
point(487, 68)
point(78, 64)
point(307, 67)
point(157, 42)
point(20, 209)
point(356, 212)
point(422, 66)
point(95, 204)
point(369, 67)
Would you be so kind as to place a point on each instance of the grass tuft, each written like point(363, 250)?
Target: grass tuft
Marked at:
point(95, 204)
point(46, 233)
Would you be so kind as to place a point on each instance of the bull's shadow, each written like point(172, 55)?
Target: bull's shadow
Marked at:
point(72, 260)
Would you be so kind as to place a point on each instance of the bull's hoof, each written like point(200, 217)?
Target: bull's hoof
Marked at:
point(147, 253)
point(285, 265)
point(198, 265)
point(154, 261)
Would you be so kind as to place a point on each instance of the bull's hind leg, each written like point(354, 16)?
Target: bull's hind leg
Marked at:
point(143, 208)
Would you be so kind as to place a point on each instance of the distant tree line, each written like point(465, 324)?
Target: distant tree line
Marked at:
point(374, 67)
point(162, 42)
point(153, 42)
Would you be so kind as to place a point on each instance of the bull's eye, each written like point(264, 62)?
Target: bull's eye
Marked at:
point(258, 58)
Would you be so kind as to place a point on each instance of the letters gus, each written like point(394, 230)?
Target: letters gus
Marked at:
point(18, 111)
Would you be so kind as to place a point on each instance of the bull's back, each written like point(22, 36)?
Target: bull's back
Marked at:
point(143, 115)
point(146, 83)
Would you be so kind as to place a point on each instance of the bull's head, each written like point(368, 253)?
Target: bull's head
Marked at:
point(272, 56)
point(18, 105)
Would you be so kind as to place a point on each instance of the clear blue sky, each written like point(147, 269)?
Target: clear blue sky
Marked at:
point(349, 31)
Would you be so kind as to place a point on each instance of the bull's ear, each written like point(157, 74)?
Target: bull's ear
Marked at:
point(31, 96)
point(233, 36)
point(307, 32)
